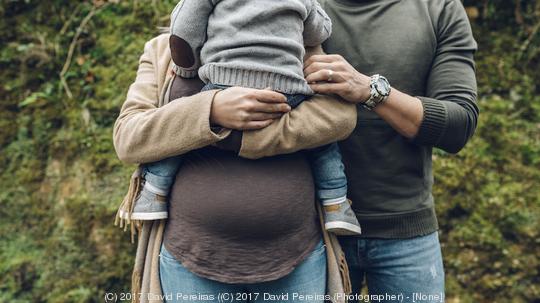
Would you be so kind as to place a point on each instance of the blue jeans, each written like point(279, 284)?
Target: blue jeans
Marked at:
point(308, 278)
point(328, 169)
point(410, 269)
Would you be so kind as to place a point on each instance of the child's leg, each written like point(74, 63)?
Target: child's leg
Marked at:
point(329, 174)
point(295, 100)
point(328, 170)
point(211, 86)
point(159, 175)
point(151, 202)
point(331, 183)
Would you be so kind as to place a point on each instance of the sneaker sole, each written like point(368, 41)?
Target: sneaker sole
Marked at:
point(144, 216)
point(342, 228)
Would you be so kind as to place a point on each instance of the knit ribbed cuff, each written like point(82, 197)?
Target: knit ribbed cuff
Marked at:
point(184, 73)
point(434, 122)
point(233, 76)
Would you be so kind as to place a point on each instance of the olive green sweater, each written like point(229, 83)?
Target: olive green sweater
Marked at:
point(425, 48)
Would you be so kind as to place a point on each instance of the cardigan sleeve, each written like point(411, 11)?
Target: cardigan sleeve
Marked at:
point(318, 121)
point(450, 109)
point(144, 132)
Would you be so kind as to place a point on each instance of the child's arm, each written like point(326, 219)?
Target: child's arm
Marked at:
point(317, 26)
point(189, 21)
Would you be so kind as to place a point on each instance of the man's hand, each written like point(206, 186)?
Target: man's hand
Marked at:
point(332, 74)
point(246, 108)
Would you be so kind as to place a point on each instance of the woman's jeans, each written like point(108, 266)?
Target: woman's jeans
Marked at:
point(308, 278)
point(410, 269)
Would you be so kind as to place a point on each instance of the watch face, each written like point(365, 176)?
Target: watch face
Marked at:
point(383, 86)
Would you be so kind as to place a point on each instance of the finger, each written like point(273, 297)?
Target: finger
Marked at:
point(318, 66)
point(260, 116)
point(254, 125)
point(269, 96)
point(320, 58)
point(329, 88)
point(324, 76)
point(270, 108)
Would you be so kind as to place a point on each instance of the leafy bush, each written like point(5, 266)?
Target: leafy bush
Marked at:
point(65, 67)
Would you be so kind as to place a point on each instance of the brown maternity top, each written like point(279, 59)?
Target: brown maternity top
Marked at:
point(236, 220)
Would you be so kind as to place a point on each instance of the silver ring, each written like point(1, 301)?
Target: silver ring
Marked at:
point(330, 74)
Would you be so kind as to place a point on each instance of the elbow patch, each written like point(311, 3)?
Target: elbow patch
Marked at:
point(181, 52)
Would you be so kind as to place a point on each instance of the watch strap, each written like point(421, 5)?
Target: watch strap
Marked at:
point(376, 97)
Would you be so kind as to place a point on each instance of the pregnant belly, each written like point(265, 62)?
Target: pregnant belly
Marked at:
point(219, 193)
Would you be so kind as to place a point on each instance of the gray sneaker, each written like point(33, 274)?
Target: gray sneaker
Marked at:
point(340, 219)
point(148, 206)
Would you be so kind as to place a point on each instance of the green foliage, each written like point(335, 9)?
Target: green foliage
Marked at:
point(60, 181)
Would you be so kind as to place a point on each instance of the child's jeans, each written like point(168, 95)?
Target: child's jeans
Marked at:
point(326, 164)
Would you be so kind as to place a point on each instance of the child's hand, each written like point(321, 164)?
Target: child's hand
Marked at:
point(246, 108)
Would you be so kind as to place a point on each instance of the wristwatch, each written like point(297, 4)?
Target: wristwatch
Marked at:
point(380, 90)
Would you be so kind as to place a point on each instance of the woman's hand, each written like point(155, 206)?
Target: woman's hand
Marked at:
point(332, 74)
point(246, 108)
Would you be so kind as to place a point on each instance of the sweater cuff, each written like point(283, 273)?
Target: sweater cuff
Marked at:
point(184, 73)
point(433, 124)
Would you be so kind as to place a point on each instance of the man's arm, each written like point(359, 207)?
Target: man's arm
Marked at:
point(447, 116)
point(450, 112)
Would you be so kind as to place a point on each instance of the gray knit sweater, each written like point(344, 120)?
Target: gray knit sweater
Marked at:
point(249, 43)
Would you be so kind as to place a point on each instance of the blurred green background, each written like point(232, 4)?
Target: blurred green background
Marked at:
point(65, 67)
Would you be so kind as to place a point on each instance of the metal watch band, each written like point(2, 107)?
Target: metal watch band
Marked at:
point(376, 97)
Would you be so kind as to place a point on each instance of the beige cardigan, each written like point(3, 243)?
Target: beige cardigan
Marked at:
point(146, 119)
